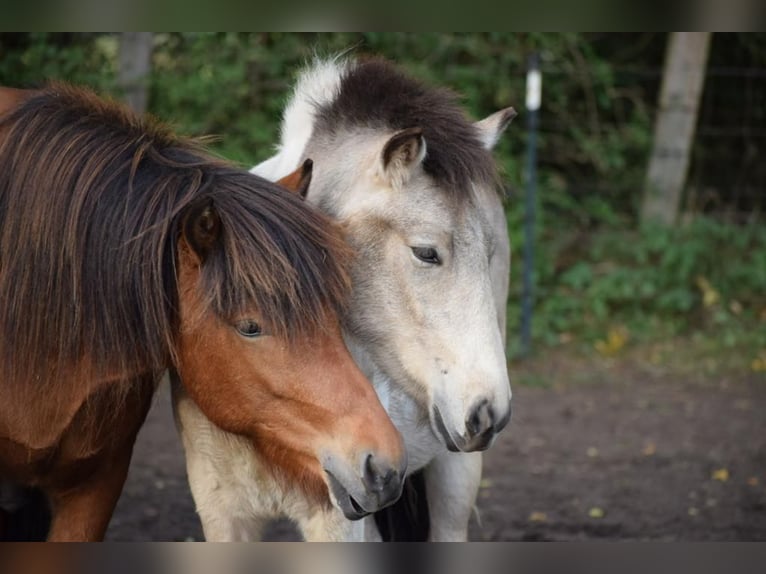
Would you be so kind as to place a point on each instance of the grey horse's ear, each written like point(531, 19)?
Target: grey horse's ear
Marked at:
point(202, 229)
point(404, 151)
point(492, 127)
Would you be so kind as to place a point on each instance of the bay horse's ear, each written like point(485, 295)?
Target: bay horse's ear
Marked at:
point(492, 127)
point(404, 151)
point(299, 180)
point(202, 228)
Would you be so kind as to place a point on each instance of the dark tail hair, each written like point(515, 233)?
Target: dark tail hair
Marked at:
point(30, 518)
point(407, 519)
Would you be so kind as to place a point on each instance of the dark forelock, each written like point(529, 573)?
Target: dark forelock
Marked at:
point(376, 94)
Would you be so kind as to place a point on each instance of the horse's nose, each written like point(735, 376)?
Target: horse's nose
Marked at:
point(482, 424)
point(503, 422)
point(382, 481)
point(365, 487)
point(480, 420)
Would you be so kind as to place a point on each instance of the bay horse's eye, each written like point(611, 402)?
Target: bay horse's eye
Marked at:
point(426, 255)
point(248, 328)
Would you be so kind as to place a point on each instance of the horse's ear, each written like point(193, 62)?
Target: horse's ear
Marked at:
point(492, 127)
point(402, 153)
point(202, 228)
point(299, 180)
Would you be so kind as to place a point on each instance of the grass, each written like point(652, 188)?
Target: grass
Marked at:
point(706, 356)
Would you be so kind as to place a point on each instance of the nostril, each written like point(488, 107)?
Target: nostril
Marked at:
point(472, 423)
point(376, 479)
point(480, 420)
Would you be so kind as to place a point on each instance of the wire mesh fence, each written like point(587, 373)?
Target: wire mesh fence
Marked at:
point(618, 108)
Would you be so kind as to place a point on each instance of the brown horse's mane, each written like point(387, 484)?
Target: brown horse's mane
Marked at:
point(92, 200)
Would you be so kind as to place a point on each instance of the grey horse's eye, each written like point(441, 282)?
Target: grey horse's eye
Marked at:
point(427, 255)
point(248, 328)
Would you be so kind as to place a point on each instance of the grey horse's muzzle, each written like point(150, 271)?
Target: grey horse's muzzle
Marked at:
point(482, 425)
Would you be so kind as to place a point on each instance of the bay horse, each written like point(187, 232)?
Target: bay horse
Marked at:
point(125, 252)
point(414, 185)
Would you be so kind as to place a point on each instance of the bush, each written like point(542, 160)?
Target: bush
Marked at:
point(706, 274)
point(594, 269)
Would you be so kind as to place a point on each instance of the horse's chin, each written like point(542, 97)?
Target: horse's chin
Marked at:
point(440, 430)
point(299, 470)
point(429, 413)
point(343, 501)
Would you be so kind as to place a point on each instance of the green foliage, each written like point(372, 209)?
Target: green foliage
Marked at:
point(594, 270)
point(233, 85)
point(706, 275)
point(28, 60)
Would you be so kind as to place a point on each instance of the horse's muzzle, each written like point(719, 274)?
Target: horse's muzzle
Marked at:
point(357, 496)
point(481, 427)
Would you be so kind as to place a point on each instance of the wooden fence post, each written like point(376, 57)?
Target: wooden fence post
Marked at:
point(135, 62)
point(680, 94)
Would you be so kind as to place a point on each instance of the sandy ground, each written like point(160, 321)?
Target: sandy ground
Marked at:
point(624, 456)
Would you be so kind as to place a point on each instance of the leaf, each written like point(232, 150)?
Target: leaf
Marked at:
point(596, 512)
point(710, 295)
point(538, 516)
point(720, 474)
point(615, 341)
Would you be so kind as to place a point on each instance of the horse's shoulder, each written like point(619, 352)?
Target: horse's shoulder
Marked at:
point(41, 419)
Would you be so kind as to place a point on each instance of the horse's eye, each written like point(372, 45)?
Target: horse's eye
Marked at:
point(427, 255)
point(248, 328)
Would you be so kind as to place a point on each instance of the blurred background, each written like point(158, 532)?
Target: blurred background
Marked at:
point(596, 270)
point(639, 401)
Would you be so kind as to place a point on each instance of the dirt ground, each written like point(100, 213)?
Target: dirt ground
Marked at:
point(622, 453)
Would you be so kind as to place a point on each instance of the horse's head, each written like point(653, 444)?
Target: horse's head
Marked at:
point(430, 279)
point(264, 357)
point(161, 256)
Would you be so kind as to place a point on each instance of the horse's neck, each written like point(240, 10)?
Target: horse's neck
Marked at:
point(291, 149)
point(315, 88)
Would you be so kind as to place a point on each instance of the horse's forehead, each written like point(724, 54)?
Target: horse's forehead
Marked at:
point(421, 204)
point(423, 201)
point(432, 211)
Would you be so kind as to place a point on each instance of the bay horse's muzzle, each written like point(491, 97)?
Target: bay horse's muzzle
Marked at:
point(357, 494)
